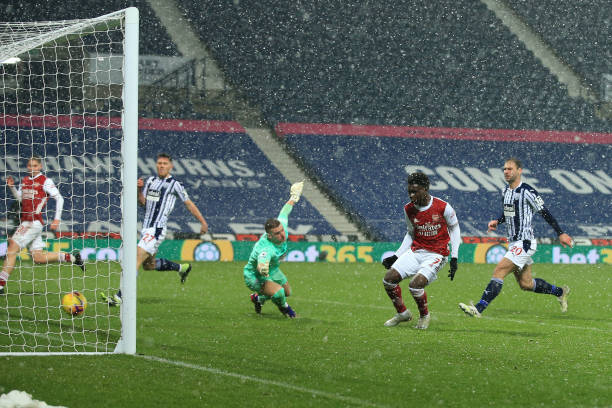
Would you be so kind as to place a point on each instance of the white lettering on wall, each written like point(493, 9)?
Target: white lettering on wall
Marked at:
point(600, 180)
point(571, 181)
point(457, 178)
point(493, 181)
point(240, 168)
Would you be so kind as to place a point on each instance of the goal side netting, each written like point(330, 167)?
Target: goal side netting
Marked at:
point(69, 96)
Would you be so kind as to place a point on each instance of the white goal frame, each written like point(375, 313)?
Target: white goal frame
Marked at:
point(129, 159)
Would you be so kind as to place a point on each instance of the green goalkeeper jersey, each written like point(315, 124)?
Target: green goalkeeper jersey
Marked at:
point(266, 250)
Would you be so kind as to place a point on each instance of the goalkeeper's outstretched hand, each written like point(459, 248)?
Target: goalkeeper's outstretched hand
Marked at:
point(453, 268)
point(296, 191)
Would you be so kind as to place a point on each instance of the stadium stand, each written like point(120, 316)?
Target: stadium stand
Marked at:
point(226, 175)
point(366, 168)
point(579, 31)
point(232, 181)
point(446, 63)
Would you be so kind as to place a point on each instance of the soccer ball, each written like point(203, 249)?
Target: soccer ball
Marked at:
point(74, 303)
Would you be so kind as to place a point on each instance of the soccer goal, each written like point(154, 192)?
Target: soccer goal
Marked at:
point(69, 96)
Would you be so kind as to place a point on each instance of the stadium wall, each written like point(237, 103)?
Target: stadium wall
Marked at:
point(473, 250)
point(237, 187)
point(366, 167)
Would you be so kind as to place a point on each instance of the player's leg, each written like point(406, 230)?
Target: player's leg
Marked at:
point(404, 266)
point(526, 281)
point(162, 264)
point(276, 292)
point(430, 264)
point(287, 288)
point(279, 277)
point(41, 256)
point(150, 241)
point(9, 263)
point(494, 287)
point(417, 290)
point(254, 284)
point(144, 259)
point(23, 236)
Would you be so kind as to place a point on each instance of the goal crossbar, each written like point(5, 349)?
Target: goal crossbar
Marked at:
point(18, 38)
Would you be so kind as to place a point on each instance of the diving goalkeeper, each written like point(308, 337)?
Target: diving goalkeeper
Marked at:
point(262, 273)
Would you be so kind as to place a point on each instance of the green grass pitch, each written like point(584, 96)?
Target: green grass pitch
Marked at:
point(202, 345)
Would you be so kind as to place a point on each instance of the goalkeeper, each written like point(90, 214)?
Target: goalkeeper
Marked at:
point(262, 273)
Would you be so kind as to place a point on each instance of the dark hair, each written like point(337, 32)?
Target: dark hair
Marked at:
point(164, 156)
point(419, 178)
point(271, 223)
point(516, 161)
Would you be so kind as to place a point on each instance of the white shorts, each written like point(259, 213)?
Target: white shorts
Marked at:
point(29, 234)
point(151, 239)
point(519, 255)
point(421, 261)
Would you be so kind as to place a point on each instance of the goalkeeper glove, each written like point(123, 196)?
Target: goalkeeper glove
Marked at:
point(296, 191)
point(388, 261)
point(264, 268)
point(453, 268)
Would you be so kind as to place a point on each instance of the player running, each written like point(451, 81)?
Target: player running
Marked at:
point(262, 273)
point(432, 223)
point(33, 194)
point(158, 194)
point(520, 202)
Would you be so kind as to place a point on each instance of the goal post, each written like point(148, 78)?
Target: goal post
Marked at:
point(69, 95)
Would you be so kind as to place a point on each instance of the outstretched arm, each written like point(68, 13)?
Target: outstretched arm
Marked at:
point(295, 194)
point(196, 213)
point(564, 238)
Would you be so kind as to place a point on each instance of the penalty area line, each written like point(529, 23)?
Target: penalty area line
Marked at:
point(280, 384)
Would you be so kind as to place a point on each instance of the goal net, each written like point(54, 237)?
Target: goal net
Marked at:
point(68, 92)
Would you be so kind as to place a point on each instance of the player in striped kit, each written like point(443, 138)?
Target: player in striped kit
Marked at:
point(520, 202)
point(33, 193)
point(432, 223)
point(158, 194)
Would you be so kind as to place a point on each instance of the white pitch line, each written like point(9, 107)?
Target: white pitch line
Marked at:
point(242, 377)
point(390, 307)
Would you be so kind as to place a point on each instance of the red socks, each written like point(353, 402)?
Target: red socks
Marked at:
point(395, 294)
point(421, 301)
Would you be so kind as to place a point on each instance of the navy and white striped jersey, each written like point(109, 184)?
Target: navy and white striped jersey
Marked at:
point(519, 206)
point(160, 195)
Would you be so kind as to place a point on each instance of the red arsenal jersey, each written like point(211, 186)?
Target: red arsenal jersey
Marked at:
point(34, 197)
point(429, 226)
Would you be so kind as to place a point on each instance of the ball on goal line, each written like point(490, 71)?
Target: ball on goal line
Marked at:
point(74, 303)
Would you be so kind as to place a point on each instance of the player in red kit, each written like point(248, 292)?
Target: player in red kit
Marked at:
point(34, 192)
point(432, 224)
